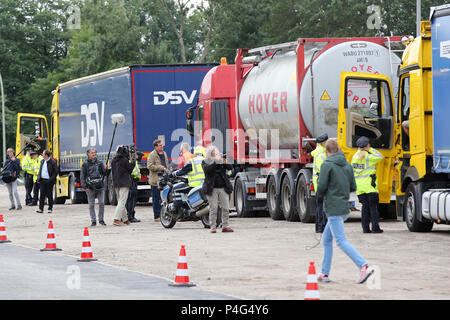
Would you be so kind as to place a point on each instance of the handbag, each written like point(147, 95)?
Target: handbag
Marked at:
point(96, 181)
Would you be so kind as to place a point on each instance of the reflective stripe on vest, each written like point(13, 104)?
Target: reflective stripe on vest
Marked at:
point(136, 173)
point(196, 176)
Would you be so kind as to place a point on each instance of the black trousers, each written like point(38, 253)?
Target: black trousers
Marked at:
point(132, 199)
point(28, 188)
point(35, 193)
point(46, 189)
point(369, 211)
point(321, 218)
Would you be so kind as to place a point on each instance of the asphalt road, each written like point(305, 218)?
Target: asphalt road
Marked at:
point(29, 274)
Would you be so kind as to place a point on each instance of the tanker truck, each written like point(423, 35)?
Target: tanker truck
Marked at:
point(266, 111)
point(422, 144)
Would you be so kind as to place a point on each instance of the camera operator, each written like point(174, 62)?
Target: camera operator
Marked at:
point(132, 195)
point(121, 168)
point(92, 173)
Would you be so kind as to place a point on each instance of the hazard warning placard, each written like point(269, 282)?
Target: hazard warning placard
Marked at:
point(325, 96)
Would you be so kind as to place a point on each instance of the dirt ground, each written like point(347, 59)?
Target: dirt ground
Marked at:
point(262, 259)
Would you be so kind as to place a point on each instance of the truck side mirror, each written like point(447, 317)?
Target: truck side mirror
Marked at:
point(190, 126)
point(190, 113)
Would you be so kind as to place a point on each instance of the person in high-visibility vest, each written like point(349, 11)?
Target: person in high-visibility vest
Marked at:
point(37, 158)
point(193, 169)
point(132, 195)
point(28, 169)
point(319, 157)
point(364, 163)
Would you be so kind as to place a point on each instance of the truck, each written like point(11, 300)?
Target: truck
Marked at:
point(152, 98)
point(267, 109)
point(421, 131)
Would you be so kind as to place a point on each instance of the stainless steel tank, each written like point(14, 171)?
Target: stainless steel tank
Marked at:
point(268, 98)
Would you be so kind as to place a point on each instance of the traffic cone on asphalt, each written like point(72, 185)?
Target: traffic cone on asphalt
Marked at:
point(181, 276)
point(3, 238)
point(51, 242)
point(312, 288)
point(86, 250)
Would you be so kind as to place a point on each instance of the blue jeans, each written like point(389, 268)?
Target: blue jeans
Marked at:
point(156, 202)
point(335, 229)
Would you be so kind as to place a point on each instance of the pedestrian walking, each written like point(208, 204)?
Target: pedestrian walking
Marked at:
point(157, 162)
point(217, 187)
point(364, 163)
point(121, 168)
point(46, 179)
point(10, 173)
point(319, 157)
point(335, 183)
point(91, 176)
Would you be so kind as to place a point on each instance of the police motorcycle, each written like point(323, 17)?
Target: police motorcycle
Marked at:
point(180, 202)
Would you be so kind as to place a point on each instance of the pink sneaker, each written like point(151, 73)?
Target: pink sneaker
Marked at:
point(364, 273)
point(323, 278)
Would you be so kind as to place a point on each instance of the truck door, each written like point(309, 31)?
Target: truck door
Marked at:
point(32, 132)
point(366, 108)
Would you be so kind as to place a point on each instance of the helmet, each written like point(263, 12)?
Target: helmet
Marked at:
point(199, 150)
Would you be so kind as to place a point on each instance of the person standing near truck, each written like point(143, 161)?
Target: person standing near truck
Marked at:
point(336, 181)
point(12, 165)
point(157, 162)
point(319, 157)
point(364, 164)
point(132, 195)
point(91, 176)
point(46, 178)
point(28, 169)
point(37, 158)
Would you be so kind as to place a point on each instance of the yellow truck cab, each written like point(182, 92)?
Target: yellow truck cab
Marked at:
point(420, 152)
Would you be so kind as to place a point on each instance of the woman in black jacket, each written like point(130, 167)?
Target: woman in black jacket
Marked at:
point(217, 188)
point(12, 164)
point(121, 169)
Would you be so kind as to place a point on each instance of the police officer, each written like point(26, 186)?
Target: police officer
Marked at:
point(132, 195)
point(193, 168)
point(364, 163)
point(319, 157)
point(28, 168)
point(37, 158)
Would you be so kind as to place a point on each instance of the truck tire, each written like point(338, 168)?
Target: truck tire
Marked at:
point(240, 201)
point(287, 199)
point(305, 207)
point(112, 197)
point(273, 200)
point(412, 206)
point(74, 196)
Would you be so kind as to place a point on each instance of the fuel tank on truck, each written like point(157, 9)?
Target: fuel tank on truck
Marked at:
point(269, 98)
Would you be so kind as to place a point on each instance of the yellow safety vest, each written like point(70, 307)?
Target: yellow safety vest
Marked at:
point(136, 173)
point(36, 167)
point(365, 169)
point(319, 157)
point(27, 164)
point(196, 176)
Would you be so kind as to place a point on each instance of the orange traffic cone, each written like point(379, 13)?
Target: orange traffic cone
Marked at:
point(51, 242)
point(181, 276)
point(3, 238)
point(86, 250)
point(312, 288)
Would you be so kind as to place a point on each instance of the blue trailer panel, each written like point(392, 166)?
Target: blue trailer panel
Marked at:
point(161, 96)
point(85, 108)
point(440, 40)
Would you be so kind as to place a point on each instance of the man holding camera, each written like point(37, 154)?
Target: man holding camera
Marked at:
point(121, 168)
point(92, 173)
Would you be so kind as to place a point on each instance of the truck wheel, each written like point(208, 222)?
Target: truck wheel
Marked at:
point(112, 197)
point(56, 200)
point(287, 201)
point(75, 197)
point(273, 200)
point(305, 208)
point(240, 201)
point(412, 209)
